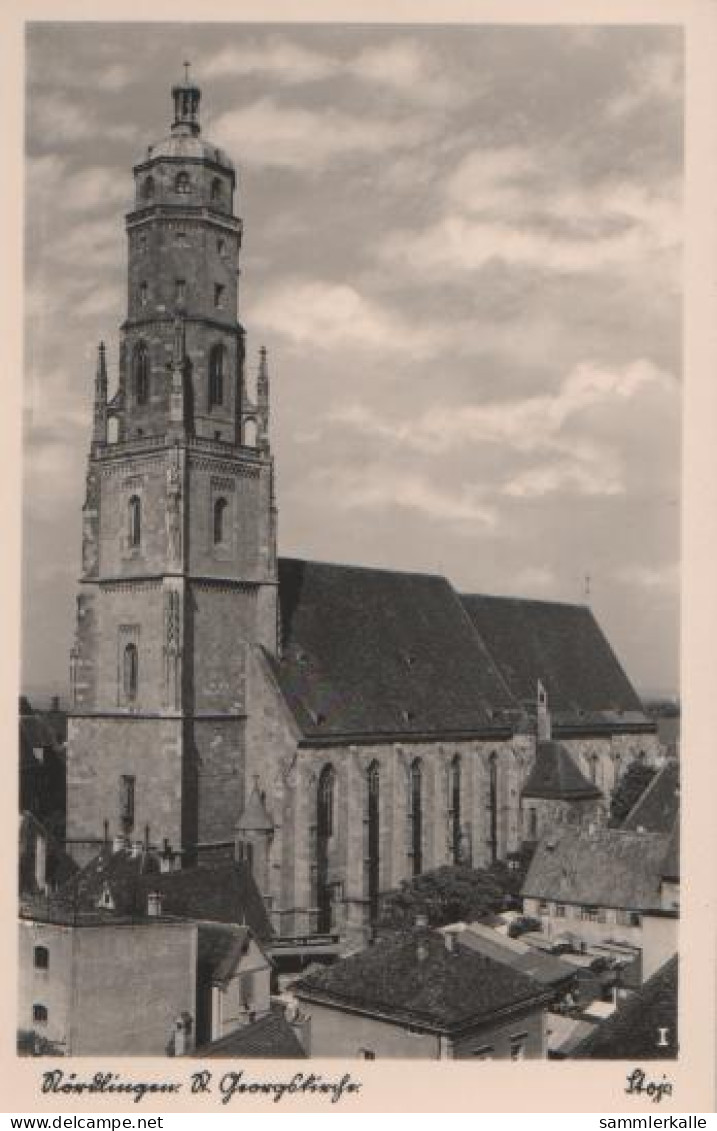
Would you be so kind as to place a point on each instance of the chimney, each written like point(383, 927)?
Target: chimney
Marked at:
point(166, 857)
point(154, 904)
point(182, 1037)
point(41, 862)
point(544, 727)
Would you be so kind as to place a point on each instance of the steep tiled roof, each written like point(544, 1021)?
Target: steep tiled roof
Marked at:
point(604, 868)
point(272, 1037)
point(633, 1032)
point(544, 968)
point(224, 892)
point(417, 979)
point(556, 775)
point(220, 948)
point(369, 652)
point(659, 806)
point(564, 647)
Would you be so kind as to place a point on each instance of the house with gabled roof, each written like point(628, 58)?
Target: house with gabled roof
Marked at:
point(424, 995)
point(601, 886)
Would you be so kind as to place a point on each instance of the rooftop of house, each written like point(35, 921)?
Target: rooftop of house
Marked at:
point(556, 775)
point(220, 948)
point(544, 968)
point(658, 808)
point(562, 646)
point(420, 979)
point(604, 867)
point(377, 652)
point(633, 1031)
point(224, 892)
point(271, 1037)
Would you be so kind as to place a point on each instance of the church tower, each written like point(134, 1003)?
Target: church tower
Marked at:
point(179, 574)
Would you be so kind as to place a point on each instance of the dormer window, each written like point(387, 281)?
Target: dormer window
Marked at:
point(181, 183)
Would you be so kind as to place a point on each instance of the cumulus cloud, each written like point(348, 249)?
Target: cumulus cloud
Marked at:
point(526, 424)
point(656, 576)
point(325, 315)
point(266, 133)
point(656, 78)
point(402, 66)
point(377, 488)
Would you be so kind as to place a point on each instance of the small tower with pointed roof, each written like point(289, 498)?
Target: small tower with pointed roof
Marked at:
point(254, 832)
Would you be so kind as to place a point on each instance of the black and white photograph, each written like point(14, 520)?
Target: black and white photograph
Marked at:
point(350, 696)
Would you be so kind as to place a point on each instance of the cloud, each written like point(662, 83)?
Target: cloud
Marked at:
point(565, 477)
point(267, 134)
point(57, 119)
point(325, 315)
point(650, 577)
point(378, 488)
point(279, 59)
point(95, 186)
point(530, 424)
point(402, 66)
point(657, 78)
point(500, 206)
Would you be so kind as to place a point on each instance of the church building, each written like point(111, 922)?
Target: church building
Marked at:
point(341, 728)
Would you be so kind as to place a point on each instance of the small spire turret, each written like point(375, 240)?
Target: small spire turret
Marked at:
point(99, 429)
point(262, 403)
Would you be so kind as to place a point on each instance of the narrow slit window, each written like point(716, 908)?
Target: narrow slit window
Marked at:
point(130, 671)
point(220, 522)
point(134, 521)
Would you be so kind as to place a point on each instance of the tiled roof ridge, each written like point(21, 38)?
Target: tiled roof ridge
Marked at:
point(527, 601)
point(366, 568)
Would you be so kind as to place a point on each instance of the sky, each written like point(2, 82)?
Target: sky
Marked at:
point(462, 249)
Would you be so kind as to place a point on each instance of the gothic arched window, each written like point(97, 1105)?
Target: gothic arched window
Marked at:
point(134, 520)
point(454, 808)
point(493, 805)
point(324, 830)
point(130, 672)
point(181, 182)
point(140, 373)
point(415, 815)
point(148, 188)
point(220, 509)
point(217, 356)
point(373, 838)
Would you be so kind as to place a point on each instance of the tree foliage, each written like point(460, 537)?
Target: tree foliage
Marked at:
point(631, 786)
point(450, 894)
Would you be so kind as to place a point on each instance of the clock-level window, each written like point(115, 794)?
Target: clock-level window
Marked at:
point(181, 183)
